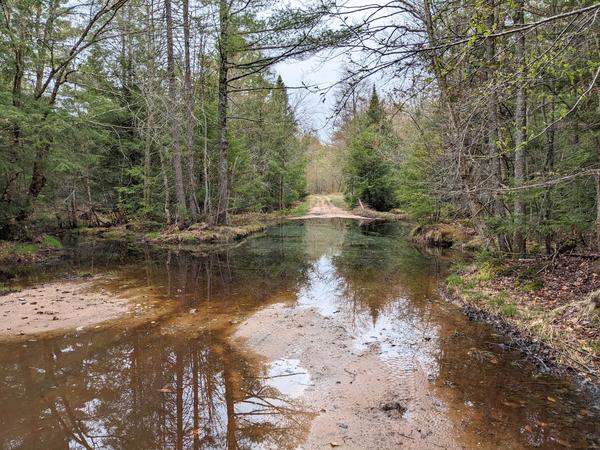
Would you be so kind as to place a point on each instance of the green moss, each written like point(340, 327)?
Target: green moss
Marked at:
point(114, 234)
point(532, 285)
point(486, 272)
point(503, 271)
point(152, 235)
point(188, 238)
point(26, 248)
point(49, 241)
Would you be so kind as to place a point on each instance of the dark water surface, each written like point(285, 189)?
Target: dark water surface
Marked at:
point(179, 381)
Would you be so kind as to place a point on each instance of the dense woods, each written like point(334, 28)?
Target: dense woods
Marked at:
point(170, 112)
point(495, 109)
point(160, 111)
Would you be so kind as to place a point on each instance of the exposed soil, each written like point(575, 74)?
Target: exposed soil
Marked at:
point(323, 208)
point(359, 404)
point(57, 306)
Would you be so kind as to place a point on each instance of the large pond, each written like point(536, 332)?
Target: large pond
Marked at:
point(176, 379)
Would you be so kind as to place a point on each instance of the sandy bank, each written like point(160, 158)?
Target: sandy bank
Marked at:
point(57, 306)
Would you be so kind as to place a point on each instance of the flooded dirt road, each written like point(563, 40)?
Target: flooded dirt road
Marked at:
point(323, 208)
point(318, 334)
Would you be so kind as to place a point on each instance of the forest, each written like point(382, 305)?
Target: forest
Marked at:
point(172, 113)
point(299, 224)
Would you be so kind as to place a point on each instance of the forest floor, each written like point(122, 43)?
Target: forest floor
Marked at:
point(357, 405)
point(552, 303)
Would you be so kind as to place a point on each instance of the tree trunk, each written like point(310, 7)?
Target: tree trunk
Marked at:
point(189, 96)
point(548, 168)
point(493, 126)
point(167, 197)
point(453, 138)
point(598, 197)
point(148, 156)
point(205, 165)
point(181, 210)
point(520, 133)
point(223, 192)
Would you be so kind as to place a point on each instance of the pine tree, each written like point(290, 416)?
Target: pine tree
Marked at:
point(368, 175)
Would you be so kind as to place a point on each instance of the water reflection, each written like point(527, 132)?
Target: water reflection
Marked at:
point(181, 383)
point(141, 390)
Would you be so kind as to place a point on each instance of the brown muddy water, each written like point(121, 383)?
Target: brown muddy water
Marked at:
point(178, 380)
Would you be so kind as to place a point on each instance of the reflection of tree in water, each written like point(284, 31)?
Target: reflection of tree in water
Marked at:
point(246, 275)
point(378, 265)
point(143, 391)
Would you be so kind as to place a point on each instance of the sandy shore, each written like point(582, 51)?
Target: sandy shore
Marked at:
point(57, 306)
point(359, 403)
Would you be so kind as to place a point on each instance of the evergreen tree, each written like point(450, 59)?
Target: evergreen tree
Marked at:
point(368, 176)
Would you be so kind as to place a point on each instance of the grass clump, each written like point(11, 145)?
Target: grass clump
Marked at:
point(24, 248)
point(509, 310)
point(457, 281)
point(486, 272)
point(152, 235)
point(338, 200)
point(454, 280)
point(300, 209)
point(498, 300)
point(5, 289)
point(49, 241)
point(532, 285)
point(487, 256)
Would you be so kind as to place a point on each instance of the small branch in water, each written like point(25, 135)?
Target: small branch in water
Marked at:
point(351, 373)
point(279, 376)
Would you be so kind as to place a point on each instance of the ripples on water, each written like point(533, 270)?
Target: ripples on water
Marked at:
point(181, 383)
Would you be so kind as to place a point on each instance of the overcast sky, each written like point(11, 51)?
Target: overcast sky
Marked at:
point(315, 106)
point(321, 71)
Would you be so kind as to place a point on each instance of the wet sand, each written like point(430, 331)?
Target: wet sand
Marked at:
point(358, 403)
point(57, 306)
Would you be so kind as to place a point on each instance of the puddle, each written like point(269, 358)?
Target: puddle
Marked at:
point(288, 377)
point(179, 382)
